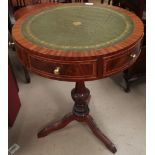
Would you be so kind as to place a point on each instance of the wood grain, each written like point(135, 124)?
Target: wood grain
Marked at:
point(80, 113)
point(81, 65)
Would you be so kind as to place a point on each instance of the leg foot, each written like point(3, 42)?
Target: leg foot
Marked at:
point(89, 120)
point(57, 125)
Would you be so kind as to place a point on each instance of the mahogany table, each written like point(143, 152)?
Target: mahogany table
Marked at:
point(78, 43)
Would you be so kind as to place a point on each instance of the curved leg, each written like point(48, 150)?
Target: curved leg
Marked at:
point(80, 113)
point(57, 125)
point(89, 120)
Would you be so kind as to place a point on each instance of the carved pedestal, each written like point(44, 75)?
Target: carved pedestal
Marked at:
point(81, 97)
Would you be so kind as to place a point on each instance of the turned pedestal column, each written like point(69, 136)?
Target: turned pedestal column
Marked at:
point(81, 97)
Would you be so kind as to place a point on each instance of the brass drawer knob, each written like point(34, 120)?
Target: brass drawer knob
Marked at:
point(133, 56)
point(11, 44)
point(57, 71)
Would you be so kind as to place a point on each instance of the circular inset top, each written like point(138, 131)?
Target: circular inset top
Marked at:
point(76, 42)
point(77, 28)
point(74, 31)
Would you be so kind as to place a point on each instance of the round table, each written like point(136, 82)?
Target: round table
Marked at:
point(78, 43)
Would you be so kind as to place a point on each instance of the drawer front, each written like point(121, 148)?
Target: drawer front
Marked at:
point(117, 63)
point(63, 69)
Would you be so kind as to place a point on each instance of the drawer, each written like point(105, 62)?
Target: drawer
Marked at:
point(117, 63)
point(63, 69)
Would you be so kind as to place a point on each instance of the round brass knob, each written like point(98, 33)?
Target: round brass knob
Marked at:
point(133, 56)
point(11, 44)
point(57, 71)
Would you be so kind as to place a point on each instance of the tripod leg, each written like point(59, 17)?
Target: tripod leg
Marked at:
point(97, 132)
point(56, 126)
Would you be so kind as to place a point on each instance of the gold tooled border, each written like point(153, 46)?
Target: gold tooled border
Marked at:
point(100, 45)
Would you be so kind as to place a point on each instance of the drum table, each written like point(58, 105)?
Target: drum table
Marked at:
point(78, 43)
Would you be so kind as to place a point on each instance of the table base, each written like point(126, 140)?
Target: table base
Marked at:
point(80, 113)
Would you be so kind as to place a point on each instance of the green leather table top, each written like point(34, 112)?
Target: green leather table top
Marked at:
point(77, 28)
